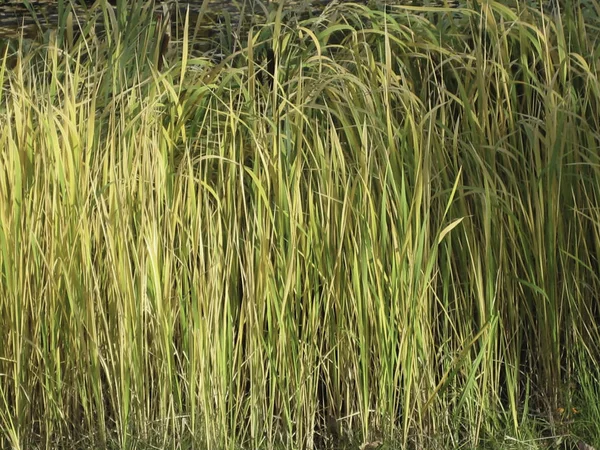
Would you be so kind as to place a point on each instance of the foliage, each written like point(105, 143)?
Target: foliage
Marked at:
point(397, 239)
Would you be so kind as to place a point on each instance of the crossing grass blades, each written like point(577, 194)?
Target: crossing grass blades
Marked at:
point(366, 228)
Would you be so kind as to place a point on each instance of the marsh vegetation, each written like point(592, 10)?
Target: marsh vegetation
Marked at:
point(393, 238)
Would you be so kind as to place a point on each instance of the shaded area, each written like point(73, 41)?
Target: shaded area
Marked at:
point(30, 18)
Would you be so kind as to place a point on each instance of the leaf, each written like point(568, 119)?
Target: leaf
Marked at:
point(449, 228)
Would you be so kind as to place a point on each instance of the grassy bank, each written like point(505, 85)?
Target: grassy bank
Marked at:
point(395, 240)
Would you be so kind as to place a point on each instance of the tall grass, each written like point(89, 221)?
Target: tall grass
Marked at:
point(396, 240)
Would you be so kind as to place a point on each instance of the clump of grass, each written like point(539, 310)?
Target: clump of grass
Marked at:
point(394, 240)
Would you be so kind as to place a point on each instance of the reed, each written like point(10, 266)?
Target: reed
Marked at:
point(393, 240)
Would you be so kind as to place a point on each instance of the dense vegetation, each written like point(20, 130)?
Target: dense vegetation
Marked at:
point(393, 237)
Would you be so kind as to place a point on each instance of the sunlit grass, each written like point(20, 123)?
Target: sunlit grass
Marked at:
point(394, 241)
